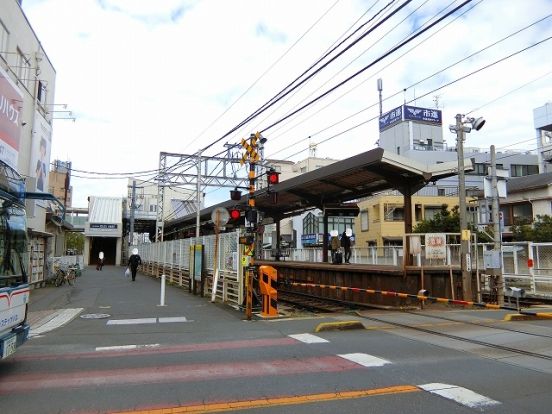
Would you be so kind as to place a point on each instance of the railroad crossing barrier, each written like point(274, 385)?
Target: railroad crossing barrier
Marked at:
point(268, 277)
point(423, 297)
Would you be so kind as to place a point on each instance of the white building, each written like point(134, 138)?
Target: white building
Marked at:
point(542, 117)
point(27, 85)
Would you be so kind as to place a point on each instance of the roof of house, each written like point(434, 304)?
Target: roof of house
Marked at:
point(529, 182)
point(105, 210)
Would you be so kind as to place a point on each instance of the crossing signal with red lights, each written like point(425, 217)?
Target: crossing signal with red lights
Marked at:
point(235, 214)
point(273, 177)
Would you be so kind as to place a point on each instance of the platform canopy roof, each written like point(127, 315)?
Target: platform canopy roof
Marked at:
point(344, 181)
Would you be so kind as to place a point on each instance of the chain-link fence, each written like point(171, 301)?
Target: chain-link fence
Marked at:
point(172, 259)
point(525, 265)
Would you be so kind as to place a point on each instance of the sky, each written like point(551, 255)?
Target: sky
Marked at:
point(142, 77)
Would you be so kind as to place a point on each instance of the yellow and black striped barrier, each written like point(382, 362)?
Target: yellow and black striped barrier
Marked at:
point(423, 298)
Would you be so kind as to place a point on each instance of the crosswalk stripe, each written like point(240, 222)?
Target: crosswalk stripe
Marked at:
point(308, 338)
point(365, 360)
point(460, 395)
point(173, 319)
point(137, 321)
point(125, 347)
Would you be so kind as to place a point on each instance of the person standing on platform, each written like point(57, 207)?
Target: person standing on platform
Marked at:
point(334, 245)
point(133, 262)
point(346, 244)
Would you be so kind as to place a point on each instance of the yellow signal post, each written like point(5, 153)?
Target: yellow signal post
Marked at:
point(252, 156)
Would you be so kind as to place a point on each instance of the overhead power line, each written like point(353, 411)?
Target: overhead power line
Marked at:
point(433, 90)
point(357, 73)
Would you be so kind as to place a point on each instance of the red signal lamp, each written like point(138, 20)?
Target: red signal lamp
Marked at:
point(273, 177)
point(234, 214)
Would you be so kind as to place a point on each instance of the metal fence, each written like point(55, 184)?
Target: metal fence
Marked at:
point(524, 264)
point(172, 259)
point(387, 255)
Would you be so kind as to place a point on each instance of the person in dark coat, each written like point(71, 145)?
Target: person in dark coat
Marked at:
point(346, 244)
point(133, 262)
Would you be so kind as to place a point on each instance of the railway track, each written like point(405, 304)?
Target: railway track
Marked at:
point(317, 304)
point(324, 305)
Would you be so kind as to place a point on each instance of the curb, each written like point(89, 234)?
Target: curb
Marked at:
point(526, 317)
point(338, 326)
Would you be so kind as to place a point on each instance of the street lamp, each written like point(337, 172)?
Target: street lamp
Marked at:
point(463, 126)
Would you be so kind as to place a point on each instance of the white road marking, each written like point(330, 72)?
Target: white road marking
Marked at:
point(131, 321)
point(308, 338)
point(365, 360)
point(61, 317)
point(139, 321)
point(125, 347)
point(173, 319)
point(460, 395)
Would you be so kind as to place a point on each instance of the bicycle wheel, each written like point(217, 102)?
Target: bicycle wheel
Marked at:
point(71, 277)
point(60, 278)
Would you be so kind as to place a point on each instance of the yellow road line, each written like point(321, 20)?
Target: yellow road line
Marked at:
point(278, 401)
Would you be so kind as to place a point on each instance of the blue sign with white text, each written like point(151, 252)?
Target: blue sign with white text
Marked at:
point(390, 118)
point(413, 113)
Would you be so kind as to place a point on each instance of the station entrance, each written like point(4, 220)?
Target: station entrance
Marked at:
point(108, 245)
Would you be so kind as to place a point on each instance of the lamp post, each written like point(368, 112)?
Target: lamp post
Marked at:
point(464, 125)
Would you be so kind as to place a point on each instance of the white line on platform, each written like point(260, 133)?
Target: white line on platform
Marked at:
point(460, 395)
point(308, 338)
point(61, 317)
point(173, 319)
point(125, 347)
point(365, 360)
point(131, 321)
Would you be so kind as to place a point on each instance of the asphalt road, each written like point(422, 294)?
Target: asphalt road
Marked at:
point(127, 354)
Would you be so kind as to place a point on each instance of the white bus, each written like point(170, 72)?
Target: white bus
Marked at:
point(14, 286)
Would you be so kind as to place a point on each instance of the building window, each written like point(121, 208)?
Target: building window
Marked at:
point(522, 213)
point(310, 224)
point(518, 170)
point(394, 212)
point(441, 192)
point(153, 208)
point(364, 220)
point(480, 169)
point(23, 68)
point(4, 34)
point(431, 211)
point(41, 93)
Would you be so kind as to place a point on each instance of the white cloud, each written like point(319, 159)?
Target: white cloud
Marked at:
point(144, 77)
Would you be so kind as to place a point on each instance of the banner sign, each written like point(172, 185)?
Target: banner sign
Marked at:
point(413, 113)
point(436, 246)
point(11, 102)
point(103, 226)
point(410, 113)
point(390, 118)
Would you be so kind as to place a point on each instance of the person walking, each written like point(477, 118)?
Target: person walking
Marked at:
point(100, 264)
point(133, 262)
point(346, 244)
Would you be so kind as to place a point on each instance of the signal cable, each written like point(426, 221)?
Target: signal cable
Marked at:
point(357, 73)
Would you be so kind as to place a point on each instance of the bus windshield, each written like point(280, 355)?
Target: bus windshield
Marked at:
point(13, 244)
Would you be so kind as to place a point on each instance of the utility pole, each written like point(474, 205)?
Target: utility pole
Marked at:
point(380, 89)
point(496, 228)
point(462, 126)
point(465, 261)
point(132, 207)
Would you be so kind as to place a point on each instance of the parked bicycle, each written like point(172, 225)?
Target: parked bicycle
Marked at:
point(62, 276)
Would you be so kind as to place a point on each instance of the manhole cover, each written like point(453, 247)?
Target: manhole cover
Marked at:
point(95, 316)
